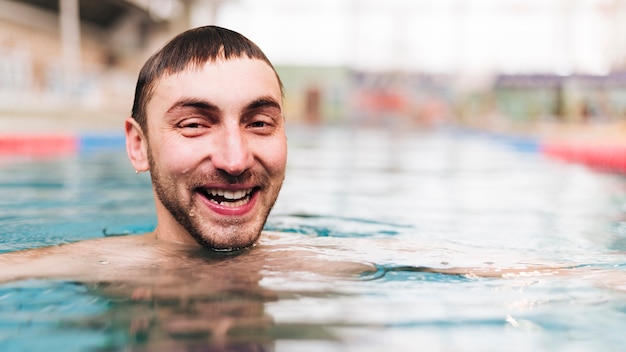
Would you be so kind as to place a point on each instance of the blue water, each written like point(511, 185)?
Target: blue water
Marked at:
point(403, 200)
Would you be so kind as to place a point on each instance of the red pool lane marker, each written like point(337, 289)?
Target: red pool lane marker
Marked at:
point(37, 145)
point(605, 158)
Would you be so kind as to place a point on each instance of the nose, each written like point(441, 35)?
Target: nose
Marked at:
point(232, 153)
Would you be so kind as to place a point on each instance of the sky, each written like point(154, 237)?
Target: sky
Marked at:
point(447, 36)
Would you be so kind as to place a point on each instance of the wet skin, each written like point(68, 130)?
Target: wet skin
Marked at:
point(216, 149)
point(171, 295)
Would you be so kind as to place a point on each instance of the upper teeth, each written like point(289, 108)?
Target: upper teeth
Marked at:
point(229, 194)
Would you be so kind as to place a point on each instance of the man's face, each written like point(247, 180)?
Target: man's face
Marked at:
point(217, 151)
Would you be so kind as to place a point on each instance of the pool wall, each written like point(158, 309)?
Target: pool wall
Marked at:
point(51, 145)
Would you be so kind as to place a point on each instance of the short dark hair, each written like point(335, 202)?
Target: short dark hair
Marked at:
point(193, 47)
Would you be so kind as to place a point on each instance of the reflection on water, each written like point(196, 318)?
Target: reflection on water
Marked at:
point(403, 201)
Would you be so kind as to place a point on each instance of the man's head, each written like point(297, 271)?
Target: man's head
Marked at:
point(194, 47)
point(207, 122)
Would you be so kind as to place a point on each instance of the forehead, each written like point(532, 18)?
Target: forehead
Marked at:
point(234, 81)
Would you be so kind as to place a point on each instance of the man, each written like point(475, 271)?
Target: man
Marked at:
point(207, 123)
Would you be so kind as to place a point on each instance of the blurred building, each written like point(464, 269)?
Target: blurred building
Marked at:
point(474, 48)
point(363, 61)
point(63, 55)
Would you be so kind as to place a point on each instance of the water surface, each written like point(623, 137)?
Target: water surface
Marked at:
point(400, 200)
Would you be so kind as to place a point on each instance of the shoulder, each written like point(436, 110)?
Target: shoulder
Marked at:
point(76, 249)
point(70, 260)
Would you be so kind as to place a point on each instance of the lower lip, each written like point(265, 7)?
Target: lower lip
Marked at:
point(232, 211)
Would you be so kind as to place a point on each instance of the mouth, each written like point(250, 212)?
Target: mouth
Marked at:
point(228, 198)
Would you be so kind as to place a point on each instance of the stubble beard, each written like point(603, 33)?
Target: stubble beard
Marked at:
point(217, 234)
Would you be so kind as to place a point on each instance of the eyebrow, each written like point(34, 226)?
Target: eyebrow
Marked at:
point(193, 103)
point(196, 103)
point(262, 103)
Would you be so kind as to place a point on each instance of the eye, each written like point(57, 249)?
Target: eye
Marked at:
point(261, 125)
point(258, 124)
point(192, 127)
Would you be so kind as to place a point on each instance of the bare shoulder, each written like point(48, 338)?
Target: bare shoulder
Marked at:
point(77, 249)
point(69, 260)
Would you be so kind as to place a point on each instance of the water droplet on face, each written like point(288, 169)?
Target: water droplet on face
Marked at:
point(104, 262)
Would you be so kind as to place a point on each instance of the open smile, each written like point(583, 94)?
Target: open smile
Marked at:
point(228, 198)
point(229, 201)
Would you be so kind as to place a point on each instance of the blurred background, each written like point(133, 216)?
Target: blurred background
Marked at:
point(518, 66)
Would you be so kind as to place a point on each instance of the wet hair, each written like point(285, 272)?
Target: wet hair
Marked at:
point(194, 47)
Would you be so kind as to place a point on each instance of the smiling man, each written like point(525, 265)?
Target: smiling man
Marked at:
point(207, 123)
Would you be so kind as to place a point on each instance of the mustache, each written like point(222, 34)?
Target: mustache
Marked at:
point(223, 177)
point(232, 179)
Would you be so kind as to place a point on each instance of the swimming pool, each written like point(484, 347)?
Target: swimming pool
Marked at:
point(399, 199)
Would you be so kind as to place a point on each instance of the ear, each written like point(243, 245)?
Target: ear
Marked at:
point(136, 145)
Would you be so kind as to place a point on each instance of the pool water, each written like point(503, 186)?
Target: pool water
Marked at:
point(402, 200)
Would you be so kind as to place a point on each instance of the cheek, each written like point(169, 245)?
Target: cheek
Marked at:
point(276, 157)
point(172, 158)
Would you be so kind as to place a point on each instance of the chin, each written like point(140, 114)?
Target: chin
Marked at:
point(230, 239)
